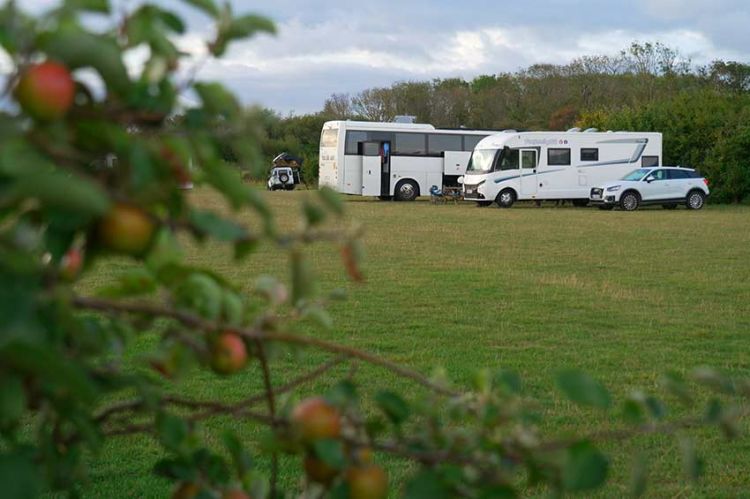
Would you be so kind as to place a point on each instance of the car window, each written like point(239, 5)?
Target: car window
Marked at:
point(678, 174)
point(657, 175)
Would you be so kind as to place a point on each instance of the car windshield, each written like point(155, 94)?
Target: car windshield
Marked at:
point(637, 175)
point(481, 161)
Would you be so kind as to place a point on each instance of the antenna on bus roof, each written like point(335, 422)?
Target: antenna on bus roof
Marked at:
point(405, 118)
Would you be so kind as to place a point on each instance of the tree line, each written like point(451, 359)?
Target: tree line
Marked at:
point(702, 111)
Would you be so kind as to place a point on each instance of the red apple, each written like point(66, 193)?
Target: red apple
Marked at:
point(367, 482)
point(228, 353)
point(45, 91)
point(126, 229)
point(314, 419)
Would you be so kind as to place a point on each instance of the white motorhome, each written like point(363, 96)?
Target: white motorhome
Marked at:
point(400, 160)
point(511, 166)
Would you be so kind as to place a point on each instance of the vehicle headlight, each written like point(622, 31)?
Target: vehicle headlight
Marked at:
point(614, 188)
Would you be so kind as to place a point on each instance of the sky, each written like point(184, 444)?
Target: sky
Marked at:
point(344, 46)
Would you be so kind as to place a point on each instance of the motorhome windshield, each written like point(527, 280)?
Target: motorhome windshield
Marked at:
point(481, 161)
point(637, 175)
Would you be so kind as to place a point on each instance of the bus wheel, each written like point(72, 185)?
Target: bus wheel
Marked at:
point(407, 190)
point(506, 198)
point(580, 203)
point(483, 204)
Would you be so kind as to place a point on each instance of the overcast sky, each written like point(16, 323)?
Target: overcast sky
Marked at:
point(346, 46)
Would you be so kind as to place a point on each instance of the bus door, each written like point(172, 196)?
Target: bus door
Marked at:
point(528, 166)
point(376, 168)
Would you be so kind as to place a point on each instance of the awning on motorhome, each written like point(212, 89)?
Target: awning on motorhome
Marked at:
point(286, 159)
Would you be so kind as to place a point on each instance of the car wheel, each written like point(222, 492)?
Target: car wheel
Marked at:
point(606, 207)
point(669, 206)
point(630, 200)
point(580, 203)
point(484, 204)
point(407, 190)
point(695, 200)
point(284, 178)
point(506, 198)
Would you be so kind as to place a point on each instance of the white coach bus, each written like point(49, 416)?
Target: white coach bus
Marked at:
point(511, 166)
point(393, 160)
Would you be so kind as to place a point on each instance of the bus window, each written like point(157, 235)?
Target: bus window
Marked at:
point(438, 144)
point(471, 141)
point(410, 144)
point(353, 138)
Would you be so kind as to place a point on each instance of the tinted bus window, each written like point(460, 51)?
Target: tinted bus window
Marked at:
point(353, 138)
point(471, 141)
point(412, 144)
point(438, 144)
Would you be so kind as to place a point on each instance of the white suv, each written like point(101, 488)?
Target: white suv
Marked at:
point(664, 185)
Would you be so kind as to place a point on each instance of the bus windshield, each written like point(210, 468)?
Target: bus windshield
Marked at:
point(481, 161)
point(637, 175)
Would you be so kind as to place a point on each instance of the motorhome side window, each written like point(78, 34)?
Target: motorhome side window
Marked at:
point(410, 144)
point(438, 144)
point(648, 161)
point(509, 160)
point(589, 154)
point(559, 157)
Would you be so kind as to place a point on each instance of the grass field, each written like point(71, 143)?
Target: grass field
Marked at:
point(624, 296)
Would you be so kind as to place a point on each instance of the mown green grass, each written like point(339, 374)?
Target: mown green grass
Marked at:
point(624, 296)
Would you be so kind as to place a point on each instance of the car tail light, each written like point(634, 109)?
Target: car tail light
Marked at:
point(705, 181)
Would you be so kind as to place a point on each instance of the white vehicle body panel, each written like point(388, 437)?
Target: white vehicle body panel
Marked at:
point(592, 159)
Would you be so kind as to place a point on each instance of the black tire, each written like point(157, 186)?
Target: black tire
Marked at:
point(506, 198)
point(669, 206)
point(284, 178)
point(630, 200)
point(407, 190)
point(289, 187)
point(385, 198)
point(580, 203)
point(484, 204)
point(606, 207)
point(695, 200)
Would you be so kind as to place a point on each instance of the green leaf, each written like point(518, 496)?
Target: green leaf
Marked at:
point(50, 365)
point(217, 100)
point(314, 214)
point(178, 469)
point(498, 492)
point(632, 412)
point(691, 462)
point(508, 382)
point(12, 400)
point(80, 49)
point(302, 280)
point(675, 384)
point(393, 406)
point(207, 6)
point(172, 430)
point(585, 468)
point(332, 200)
point(135, 282)
point(55, 189)
point(227, 180)
point(217, 227)
point(19, 476)
point(343, 393)
point(638, 475)
point(426, 484)
point(99, 6)
point(582, 389)
point(331, 452)
point(248, 25)
point(241, 458)
point(319, 316)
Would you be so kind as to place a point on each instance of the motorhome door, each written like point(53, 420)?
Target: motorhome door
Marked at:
point(528, 169)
